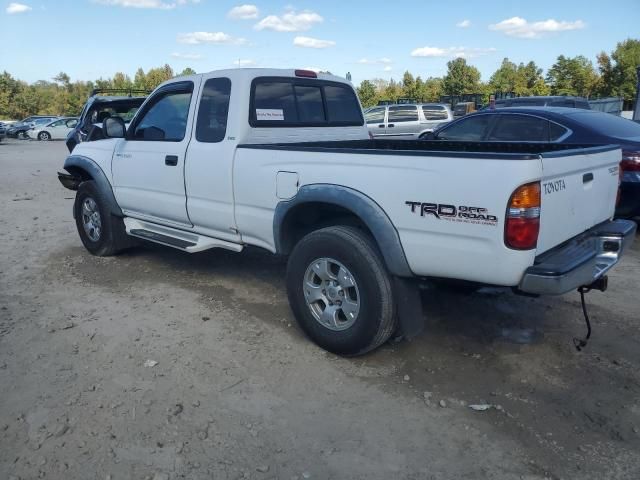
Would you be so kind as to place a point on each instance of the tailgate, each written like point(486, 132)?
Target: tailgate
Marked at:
point(579, 189)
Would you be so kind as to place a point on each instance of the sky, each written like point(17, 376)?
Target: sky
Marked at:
point(90, 39)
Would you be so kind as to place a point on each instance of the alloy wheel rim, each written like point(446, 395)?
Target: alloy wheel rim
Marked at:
point(331, 293)
point(91, 220)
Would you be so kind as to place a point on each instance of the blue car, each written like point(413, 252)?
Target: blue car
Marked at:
point(558, 125)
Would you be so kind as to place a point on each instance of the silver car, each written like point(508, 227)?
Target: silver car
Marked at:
point(55, 130)
point(408, 122)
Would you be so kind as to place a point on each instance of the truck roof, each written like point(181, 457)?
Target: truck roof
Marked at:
point(251, 73)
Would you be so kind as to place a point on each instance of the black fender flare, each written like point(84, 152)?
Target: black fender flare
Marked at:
point(79, 162)
point(369, 212)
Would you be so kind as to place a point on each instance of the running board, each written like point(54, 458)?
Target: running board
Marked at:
point(172, 237)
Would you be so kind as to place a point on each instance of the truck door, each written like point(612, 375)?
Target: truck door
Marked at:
point(209, 164)
point(148, 165)
point(403, 122)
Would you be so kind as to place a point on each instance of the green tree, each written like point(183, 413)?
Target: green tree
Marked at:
point(187, 71)
point(573, 76)
point(367, 93)
point(460, 78)
point(618, 71)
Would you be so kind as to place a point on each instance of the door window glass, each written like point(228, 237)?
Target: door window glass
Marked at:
point(556, 131)
point(214, 110)
point(468, 129)
point(375, 115)
point(520, 128)
point(403, 113)
point(166, 119)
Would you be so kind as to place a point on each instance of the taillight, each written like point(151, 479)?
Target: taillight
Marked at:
point(522, 224)
point(619, 194)
point(630, 161)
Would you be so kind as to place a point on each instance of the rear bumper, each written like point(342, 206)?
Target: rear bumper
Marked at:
point(579, 261)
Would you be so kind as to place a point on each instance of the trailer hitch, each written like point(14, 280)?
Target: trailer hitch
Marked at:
point(599, 284)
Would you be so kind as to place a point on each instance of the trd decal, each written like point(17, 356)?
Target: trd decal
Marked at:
point(461, 213)
point(552, 187)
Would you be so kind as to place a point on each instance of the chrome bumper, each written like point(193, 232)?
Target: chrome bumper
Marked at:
point(580, 261)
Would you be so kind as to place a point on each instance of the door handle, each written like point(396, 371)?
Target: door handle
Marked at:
point(171, 160)
point(587, 177)
point(380, 126)
point(391, 125)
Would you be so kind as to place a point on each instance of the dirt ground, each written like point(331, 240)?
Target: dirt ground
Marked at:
point(238, 392)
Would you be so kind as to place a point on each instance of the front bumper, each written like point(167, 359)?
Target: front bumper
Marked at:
point(579, 261)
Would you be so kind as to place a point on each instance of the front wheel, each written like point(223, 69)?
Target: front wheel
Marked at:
point(101, 232)
point(44, 136)
point(340, 292)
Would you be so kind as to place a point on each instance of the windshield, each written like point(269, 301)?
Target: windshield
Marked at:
point(608, 124)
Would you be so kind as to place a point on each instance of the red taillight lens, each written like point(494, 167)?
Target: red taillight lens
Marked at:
point(630, 161)
point(522, 224)
point(522, 233)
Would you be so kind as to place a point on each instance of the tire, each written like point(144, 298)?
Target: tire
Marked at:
point(104, 234)
point(349, 330)
point(44, 136)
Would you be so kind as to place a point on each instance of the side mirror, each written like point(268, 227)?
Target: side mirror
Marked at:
point(113, 127)
point(429, 136)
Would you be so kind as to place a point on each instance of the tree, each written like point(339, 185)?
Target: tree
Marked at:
point(573, 76)
point(618, 71)
point(367, 93)
point(187, 71)
point(460, 78)
point(519, 79)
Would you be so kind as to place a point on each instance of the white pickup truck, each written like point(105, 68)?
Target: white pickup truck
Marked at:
point(282, 160)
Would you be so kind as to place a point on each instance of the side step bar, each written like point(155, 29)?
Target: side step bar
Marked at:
point(172, 237)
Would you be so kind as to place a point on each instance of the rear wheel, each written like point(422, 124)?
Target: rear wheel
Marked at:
point(340, 292)
point(101, 232)
point(44, 136)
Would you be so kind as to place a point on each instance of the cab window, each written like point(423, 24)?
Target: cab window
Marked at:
point(165, 117)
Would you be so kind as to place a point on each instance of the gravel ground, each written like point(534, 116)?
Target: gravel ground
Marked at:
point(238, 392)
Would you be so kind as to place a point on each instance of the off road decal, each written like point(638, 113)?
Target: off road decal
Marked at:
point(453, 213)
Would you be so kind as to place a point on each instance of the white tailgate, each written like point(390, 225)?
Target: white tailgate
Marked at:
point(578, 192)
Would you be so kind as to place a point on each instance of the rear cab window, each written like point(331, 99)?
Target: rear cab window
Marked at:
point(299, 102)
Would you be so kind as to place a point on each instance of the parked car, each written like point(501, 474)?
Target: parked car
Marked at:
point(559, 125)
point(544, 101)
point(99, 107)
point(406, 121)
point(226, 160)
point(19, 130)
point(463, 108)
point(56, 130)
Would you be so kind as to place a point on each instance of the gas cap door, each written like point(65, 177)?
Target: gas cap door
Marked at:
point(286, 185)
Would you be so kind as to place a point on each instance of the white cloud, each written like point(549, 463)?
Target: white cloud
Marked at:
point(375, 61)
point(187, 56)
point(308, 42)
point(243, 12)
point(289, 22)
point(216, 38)
point(464, 24)
point(519, 27)
point(159, 4)
point(454, 52)
point(17, 8)
point(244, 62)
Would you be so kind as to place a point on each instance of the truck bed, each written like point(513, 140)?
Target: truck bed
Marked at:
point(506, 150)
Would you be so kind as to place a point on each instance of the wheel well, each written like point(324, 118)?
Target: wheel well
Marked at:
point(80, 173)
point(307, 217)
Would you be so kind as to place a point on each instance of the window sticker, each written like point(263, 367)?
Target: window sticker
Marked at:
point(269, 114)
